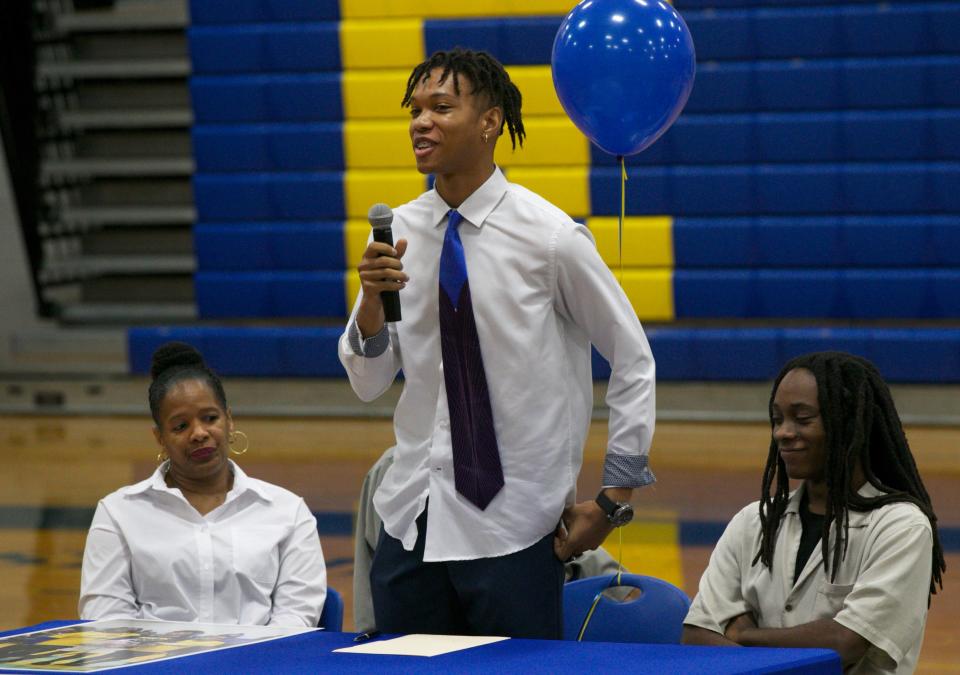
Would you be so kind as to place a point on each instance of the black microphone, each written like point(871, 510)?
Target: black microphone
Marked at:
point(381, 217)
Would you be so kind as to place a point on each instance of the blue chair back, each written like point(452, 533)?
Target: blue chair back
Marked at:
point(331, 618)
point(656, 616)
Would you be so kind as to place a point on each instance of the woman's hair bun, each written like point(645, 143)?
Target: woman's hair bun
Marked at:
point(174, 355)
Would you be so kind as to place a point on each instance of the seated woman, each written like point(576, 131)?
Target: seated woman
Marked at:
point(848, 560)
point(200, 540)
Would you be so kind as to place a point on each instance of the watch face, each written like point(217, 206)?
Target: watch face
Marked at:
point(622, 516)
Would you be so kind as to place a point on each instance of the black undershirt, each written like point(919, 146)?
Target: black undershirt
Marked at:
point(812, 524)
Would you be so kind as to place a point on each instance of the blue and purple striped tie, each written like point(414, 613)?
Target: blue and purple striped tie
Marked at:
point(476, 457)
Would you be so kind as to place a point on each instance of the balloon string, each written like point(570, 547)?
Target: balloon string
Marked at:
point(623, 211)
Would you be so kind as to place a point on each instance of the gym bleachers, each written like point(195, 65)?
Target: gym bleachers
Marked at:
point(813, 176)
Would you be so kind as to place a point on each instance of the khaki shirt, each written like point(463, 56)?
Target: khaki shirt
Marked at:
point(880, 590)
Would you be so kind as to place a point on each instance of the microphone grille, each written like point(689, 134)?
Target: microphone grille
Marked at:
point(380, 216)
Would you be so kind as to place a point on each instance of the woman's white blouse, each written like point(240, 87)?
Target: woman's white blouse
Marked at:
point(254, 560)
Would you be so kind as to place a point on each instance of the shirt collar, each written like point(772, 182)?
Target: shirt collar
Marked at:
point(478, 205)
point(241, 483)
point(857, 518)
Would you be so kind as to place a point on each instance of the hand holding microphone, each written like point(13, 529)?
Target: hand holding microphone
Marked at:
point(381, 274)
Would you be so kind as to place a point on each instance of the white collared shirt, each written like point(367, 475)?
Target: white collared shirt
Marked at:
point(253, 560)
point(880, 590)
point(541, 294)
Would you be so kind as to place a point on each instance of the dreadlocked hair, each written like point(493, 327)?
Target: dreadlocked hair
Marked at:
point(488, 77)
point(861, 424)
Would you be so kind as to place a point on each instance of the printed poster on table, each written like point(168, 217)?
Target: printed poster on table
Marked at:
point(116, 643)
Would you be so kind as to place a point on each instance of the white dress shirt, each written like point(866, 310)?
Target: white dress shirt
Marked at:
point(253, 560)
point(880, 590)
point(541, 294)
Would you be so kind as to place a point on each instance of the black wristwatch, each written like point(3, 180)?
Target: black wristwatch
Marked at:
point(618, 513)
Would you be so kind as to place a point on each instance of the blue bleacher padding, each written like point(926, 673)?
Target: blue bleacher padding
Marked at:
point(682, 354)
point(684, 5)
point(269, 196)
point(265, 48)
point(849, 136)
point(514, 41)
point(818, 241)
point(270, 294)
point(826, 84)
point(267, 98)
point(817, 294)
point(254, 11)
point(819, 32)
point(269, 246)
point(781, 189)
point(246, 351)
point(268, 147)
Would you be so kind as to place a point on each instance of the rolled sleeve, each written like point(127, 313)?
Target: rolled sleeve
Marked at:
point(892, 589)
point(720, 595)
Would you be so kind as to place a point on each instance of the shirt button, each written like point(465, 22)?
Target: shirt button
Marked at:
point(789, 607)
point(438, 468)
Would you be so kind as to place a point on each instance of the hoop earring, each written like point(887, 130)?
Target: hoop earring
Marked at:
point(161, 457)
point(246, 442)
point(484, 136)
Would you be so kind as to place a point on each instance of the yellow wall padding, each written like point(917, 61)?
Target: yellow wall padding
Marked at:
point(551, 141)
point(650, 292)
point(536, 85)
point(568, 188)
point(647, 241)
point(363, 188)
point(438, 9)
point(374, 94)
point(377, 144)
point(385, 43)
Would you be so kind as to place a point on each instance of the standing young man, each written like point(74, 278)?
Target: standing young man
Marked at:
point(505, 294)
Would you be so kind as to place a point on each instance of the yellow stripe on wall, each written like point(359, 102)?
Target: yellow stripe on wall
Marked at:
point(357, 9)
point(363, 188)
point(551, 141)
point(650, 292)
point(377, 144)
point(374, 94)
point(536, 85)
point(567, 188)
point(650, 547)
point(647, 241)
point(384, 43)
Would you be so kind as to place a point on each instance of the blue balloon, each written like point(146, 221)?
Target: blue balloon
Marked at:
point(623, 70)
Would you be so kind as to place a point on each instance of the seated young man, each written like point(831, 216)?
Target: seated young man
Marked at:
point(848, 560)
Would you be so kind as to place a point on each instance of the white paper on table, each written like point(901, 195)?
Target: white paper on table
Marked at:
point(418, 644)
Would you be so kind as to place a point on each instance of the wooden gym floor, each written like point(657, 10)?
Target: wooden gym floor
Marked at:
point(54, 469)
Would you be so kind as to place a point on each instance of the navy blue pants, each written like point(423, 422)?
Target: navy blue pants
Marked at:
point(516, 595)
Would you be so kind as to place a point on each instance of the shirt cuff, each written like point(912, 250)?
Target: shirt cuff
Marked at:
point(373, 346)
point(629, 471)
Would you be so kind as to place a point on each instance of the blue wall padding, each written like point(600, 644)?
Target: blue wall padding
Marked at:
point(270, 294)
point(514, 41)
point(788, 189)
point(816, 294)
point(819, 241)
point(268, 147)
point(267, 98)
point(262, 11)
point(861, 136)
point(265, 48)
point(902, 355)
point(242, 351)
point(684, 5)
point(826, 84)
point(269, 246)
point(269, 196)
point(763, 33)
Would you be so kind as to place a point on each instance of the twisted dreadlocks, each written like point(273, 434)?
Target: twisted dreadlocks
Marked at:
point(860, 424)
point(488, 78)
